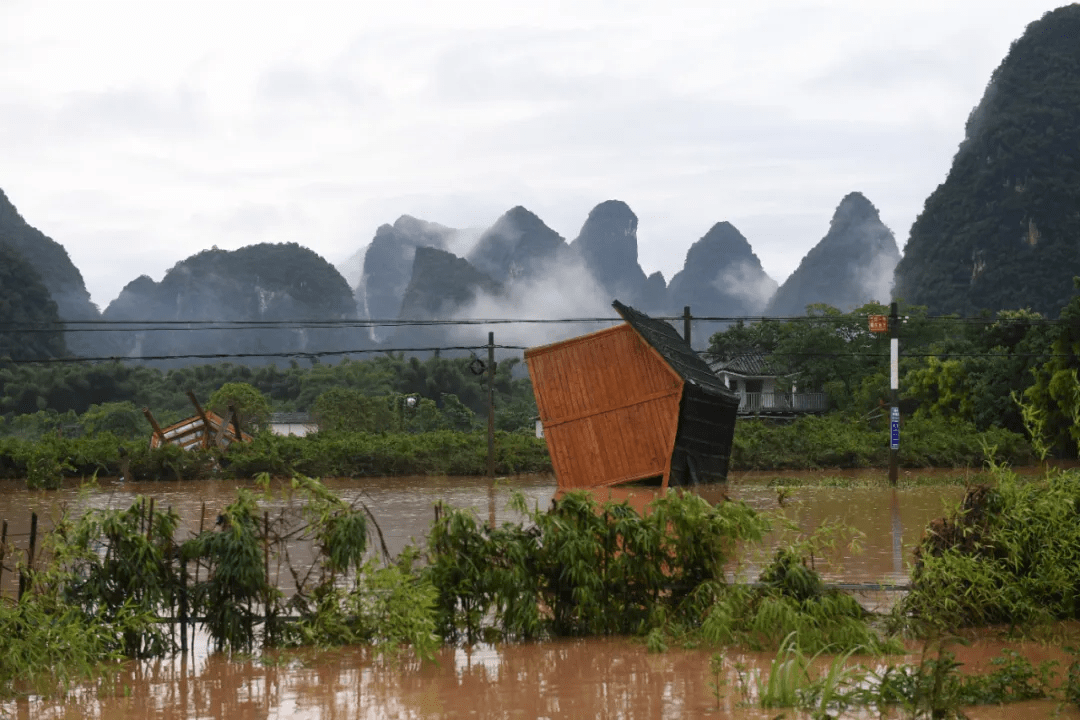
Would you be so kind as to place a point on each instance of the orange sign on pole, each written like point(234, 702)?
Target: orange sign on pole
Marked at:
point(879, 323)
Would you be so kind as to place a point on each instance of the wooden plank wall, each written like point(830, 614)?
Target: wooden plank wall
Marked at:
point(609, 405)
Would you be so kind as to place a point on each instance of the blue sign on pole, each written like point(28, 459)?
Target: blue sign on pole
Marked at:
point(895, 429)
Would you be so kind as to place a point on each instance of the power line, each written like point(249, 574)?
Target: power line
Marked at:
point(84, 326)
point(304, 354)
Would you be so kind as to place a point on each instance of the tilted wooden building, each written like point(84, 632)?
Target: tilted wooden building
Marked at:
point(632, 402)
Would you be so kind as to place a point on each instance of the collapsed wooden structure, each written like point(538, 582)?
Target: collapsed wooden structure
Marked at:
point(632, 402)
point(205, 429)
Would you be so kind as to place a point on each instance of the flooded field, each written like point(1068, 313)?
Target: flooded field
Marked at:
point(603, 678)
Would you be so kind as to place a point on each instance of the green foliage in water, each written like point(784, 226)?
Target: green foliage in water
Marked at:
point(237, 582)
point(791, 601)
point(389, 607)
point(46, 644)
point(101, 582)
point(583, 568)
point(1010, 554)
point(112, 562)
point(933, 688)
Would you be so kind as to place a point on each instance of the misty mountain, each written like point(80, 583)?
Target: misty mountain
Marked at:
point(25, 307)
point(258, 283)
point(608, 245)
point(56, 271)
point(388, 264)
point(1001, 231)
point(519, 245)
point(721, 276)
point(442, 285)
point(852, 265)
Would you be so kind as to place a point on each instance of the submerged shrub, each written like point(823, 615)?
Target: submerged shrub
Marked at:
point(1009, 554)
point(791, 602)
point(584, 568)
point(113, 562)
point(47, 644)
point(237, 582)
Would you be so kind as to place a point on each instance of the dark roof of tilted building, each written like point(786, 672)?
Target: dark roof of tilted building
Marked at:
point(750, 364)
point(675, 351)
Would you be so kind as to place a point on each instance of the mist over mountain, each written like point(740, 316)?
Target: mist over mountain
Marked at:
point(518, 245)
point(852, 265)
point(55, 270)
point(722, 274)
point(388, 265)
point(1002, 230)
point(258, 283)
point(441, 284)
point(521, 268)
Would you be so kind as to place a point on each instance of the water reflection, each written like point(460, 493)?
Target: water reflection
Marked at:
point(592, 678)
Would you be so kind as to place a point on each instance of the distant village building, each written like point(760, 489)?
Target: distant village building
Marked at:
point(759, 383)
point(294, 423)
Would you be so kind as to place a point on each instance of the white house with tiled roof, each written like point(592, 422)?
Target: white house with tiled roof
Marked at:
point(754, 377)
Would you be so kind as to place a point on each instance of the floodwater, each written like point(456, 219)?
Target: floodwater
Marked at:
point(597, 677)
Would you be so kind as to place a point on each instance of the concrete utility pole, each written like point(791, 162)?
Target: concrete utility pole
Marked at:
point(491, 405)
point(894, 386)
point(686, 324)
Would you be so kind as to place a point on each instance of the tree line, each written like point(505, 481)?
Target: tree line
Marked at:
point(1014, 369)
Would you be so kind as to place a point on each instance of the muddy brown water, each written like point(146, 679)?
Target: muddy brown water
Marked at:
point(596, 677)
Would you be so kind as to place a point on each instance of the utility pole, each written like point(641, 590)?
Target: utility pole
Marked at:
point(686, 324)
point(491, 405)
point(894, 386)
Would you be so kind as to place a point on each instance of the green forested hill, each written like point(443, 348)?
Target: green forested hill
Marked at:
point(260, 283)
point(26, 311)
point(1003, 230)
point(55, 270)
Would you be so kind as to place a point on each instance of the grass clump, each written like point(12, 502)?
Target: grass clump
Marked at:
point(1009, 555)
point(932, 688)
point(791, 600)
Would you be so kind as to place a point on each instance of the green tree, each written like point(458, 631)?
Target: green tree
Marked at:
point(122, 419)
point(349, 410)
point(1054, 398)
point(251, 406)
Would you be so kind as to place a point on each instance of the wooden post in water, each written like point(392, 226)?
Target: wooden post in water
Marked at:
point(3, 554)
point(202, 527)
point(150, 523)
point(25, 577)
point(168, 553)
point(266, 571)
point(183, 607)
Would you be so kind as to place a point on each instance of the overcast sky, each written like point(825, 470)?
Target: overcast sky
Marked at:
point(138, 133)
